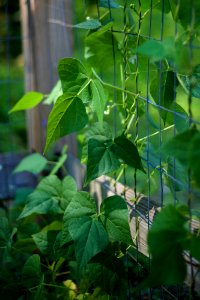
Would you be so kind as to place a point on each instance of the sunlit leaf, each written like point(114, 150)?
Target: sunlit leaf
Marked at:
point(28, 101)
point(34, 163)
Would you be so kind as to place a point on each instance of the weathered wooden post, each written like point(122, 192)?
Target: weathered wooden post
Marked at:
point(44, 44)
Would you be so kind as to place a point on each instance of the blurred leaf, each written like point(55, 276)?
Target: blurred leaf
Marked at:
point(181, 122)
point(28, 101)
point(191, 82)
point(163, 91)
point(194, 157)
point(158, 50)
point(109, 4)
point(31, 273)
point(89, 24)
point(99, 48)
point(114, 216)
point(68, 115)
point(179, 145)
point(166, 239)
point(55, 93)
point(195, 247)
point(89, 236)
point(33, 163)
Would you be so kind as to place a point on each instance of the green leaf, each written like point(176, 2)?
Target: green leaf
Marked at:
point(28, 101)
point(195, 247)
point(124, 149)
point(166, 239)
point(55, 93)
point(34, 163)
point(179, 145)
point(194, 157)
point(101, 159)
point(45, 239)
point(109, 4)
point(114, 216)
point(99, 99)
point(89, 24)
point(181, 123)
point(4, 231)
point(192, 82)
point(50, 196)
point(99, 48)
point(157, 50)
point(186, 12)
point(73, 75)
point(90, 238)
point(82, 204)
point(31, 273)
point(163, 91)
point(68, 115)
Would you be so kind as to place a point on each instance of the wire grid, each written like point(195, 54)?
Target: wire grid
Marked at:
point(163, 195)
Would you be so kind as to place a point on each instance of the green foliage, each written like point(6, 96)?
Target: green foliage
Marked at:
point(28, 101)
point(34, 163)
point(91, 247)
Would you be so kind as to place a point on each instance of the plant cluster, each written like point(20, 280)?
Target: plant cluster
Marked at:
point(70, 247)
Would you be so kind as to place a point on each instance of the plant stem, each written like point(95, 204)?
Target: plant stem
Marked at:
point(155, 133)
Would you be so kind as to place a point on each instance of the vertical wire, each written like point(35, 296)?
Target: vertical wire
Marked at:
point(114, 82)
point(137, 130)
point(192, 13)
point(160, 120)
point(160, 109)
point(147, 130)
point(125, 45)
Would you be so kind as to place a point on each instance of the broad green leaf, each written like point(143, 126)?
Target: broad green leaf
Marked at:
point(99, 99)
point(194, 156)
point(101, 159)
point(166, 239)
point(181, 123)
point(163, 91)
point(109, 4)
point(114, 216)
point(73, 75)
point(55, 93)
point(31, 273)
point(82, 204)
point(175, 169)
point(192, 82)
point(187, 11)
point(157, 50)
point(45, 239)
point(28, 101)
point(68, 115)
point(89, 24)
point(4, 231)
point(51, 196)
point(179, 145)
point(195, 247)
point(89, 237)
point(33, 163)
point(99, 48)
point(124, 149)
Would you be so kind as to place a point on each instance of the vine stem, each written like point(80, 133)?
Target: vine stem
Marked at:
point(155, 133)
point(112, 86)
point(84, 86)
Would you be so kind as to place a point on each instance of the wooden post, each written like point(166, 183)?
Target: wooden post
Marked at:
point(44, 43)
